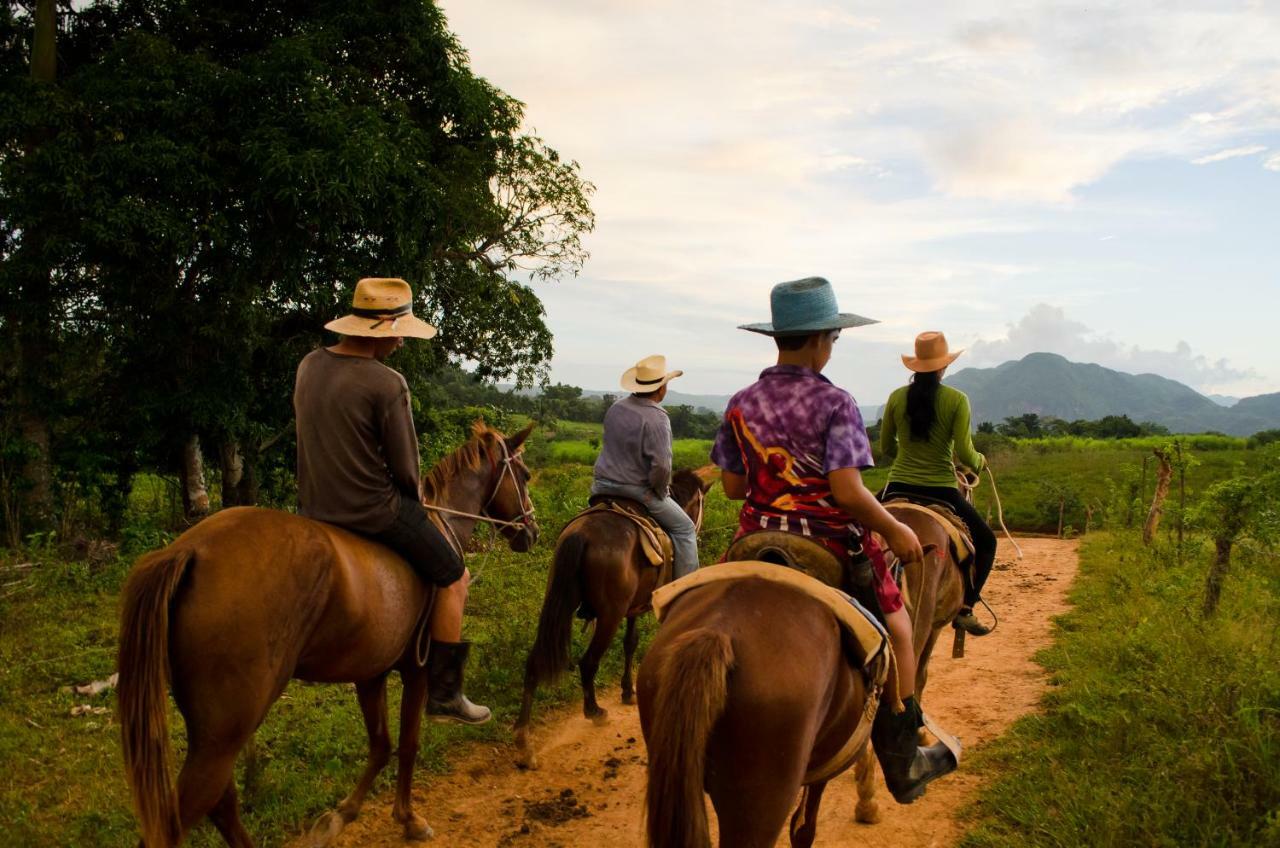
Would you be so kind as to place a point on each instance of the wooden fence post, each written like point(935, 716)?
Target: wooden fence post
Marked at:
point(1164, 475)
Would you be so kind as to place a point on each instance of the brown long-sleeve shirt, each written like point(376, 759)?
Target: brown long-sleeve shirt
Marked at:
point(357, 451)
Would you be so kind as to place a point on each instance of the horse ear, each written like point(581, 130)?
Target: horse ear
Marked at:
point(478, 427)
point(707, 476)
point(514, 442)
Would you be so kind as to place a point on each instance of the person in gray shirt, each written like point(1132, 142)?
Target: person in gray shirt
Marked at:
point(635, 461)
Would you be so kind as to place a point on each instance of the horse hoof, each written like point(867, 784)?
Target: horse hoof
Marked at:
point(599, 717)
point(867, 814)
point(416, 829)
point(628, 698)
point(325, 830)
point(525, 758)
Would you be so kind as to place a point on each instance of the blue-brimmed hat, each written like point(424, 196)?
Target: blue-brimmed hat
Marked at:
point(805, 306)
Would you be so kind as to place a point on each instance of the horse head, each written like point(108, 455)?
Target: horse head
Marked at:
point(689, 489)
point(508, 500)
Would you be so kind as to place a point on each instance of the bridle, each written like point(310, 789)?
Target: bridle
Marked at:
point(526, 517)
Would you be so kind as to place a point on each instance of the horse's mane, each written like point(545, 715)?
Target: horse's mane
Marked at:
point(469, 456)
point(685, 483)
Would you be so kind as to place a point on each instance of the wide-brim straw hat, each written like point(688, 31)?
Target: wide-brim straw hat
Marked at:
point(932, 353)
point(382, 307)
point(648, 375)
point(801, 307)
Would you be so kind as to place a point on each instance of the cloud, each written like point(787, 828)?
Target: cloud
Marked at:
point(1272, 163)
point(1047, 328)
point(1231, 153)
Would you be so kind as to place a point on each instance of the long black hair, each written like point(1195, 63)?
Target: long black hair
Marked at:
point(921, 406)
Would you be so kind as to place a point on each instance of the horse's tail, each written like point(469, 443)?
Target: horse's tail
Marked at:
point(691, 692)
point(549, 656)
point(143, 664)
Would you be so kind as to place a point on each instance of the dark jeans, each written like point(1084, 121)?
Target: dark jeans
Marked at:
point(983, 539)
point(414, 537)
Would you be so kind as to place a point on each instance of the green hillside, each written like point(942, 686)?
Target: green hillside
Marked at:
point(1049, 384)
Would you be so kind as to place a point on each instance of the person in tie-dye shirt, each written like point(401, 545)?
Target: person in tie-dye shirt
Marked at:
point(793, 447)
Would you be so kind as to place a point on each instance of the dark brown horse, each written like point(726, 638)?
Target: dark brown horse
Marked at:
point(250, 598)
point(744, 691)
point(600, 563)
point(932, 591)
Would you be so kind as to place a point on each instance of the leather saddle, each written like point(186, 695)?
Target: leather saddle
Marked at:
point(962, 548)
point(794, 551)
point(654, 541)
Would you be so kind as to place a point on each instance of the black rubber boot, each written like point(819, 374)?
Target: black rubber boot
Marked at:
point(908, 768)
point(445, 701)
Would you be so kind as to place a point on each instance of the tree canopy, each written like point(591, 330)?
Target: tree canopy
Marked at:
point(197, 193)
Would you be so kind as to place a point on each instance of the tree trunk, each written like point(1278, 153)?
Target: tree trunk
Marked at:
point(1217, 571)
point(232, 473)
point(44, 44)
point(35, 317)
point(1164, 476)
point(195, 497)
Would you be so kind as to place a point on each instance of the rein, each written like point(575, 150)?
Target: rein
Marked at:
point(526, 505)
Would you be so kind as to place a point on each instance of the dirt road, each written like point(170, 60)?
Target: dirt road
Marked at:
point(589, 790)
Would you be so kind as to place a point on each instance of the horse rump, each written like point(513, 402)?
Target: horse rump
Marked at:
point(692, 683)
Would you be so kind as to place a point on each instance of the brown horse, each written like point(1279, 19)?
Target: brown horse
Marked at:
point(933, 591)
point(602, 564)
point(250, 598)
point(745, 689)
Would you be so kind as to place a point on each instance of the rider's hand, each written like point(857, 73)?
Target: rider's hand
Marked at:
point(903, 542)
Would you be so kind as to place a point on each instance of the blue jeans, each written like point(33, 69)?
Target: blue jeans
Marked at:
point(679, 526)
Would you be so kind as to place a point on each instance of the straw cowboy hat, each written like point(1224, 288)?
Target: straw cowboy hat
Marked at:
point(806, 306)
point(931, 353)
point(382, 307)
point(648, 375)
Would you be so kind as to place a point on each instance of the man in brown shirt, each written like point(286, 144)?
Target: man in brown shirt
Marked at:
point(358, 467)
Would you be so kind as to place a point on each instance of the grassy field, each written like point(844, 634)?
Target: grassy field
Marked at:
point(1161, 728)
point(63, 783)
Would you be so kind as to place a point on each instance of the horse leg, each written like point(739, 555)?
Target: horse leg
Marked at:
point(525, 757)
point(752, 816)
point(372, 695)
point(867, 811)
point(226, 818)
point(606, 626)
point(207, 776)
point(412, 701)
point(629, 641)
point(804, 823)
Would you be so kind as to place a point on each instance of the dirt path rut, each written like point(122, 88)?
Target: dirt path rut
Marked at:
point(589, 790)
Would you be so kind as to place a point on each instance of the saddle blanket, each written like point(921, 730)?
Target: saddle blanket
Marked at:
point(870, 642)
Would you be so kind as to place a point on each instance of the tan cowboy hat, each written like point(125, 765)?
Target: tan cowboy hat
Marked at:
point(648, 375)
point(931, 353)
point(382, 307)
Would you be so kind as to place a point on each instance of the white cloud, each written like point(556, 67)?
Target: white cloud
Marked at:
point(1047, 329)
point(1231, 153)
point(1272, 163)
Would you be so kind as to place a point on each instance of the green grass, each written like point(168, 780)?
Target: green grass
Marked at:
point(1161, 728)
point(64, 784)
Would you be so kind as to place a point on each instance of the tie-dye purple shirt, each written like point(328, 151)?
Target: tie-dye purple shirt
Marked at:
point(785, 433)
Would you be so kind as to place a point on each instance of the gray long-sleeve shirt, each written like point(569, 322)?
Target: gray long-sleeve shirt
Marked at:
point(357, 451)
point(637, 445)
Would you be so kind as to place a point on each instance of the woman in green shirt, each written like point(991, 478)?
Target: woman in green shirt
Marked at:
point(928, 424)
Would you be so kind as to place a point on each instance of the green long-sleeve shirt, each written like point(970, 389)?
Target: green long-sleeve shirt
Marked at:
point(929, 462)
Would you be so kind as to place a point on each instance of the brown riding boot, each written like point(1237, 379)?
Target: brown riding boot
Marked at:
point(908, 768)
point(445, 701)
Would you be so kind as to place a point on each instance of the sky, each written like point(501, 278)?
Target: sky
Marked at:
point(1098, 180)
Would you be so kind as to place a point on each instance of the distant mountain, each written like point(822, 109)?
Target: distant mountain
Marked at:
point(1223, 400)
point(1048, 384)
